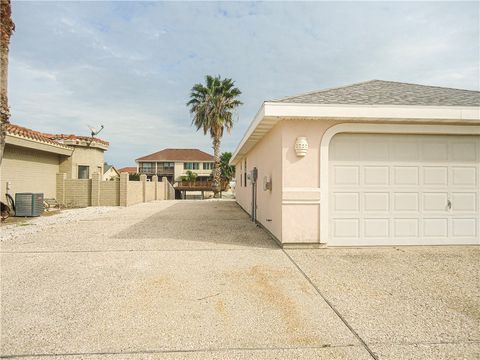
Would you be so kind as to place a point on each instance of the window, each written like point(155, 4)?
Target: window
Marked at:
point(83, 172)
point(191, 166)
point(207, 166)
point(166, 165)
point(163, 167)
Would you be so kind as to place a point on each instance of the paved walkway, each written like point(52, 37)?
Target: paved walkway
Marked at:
point(198, 280)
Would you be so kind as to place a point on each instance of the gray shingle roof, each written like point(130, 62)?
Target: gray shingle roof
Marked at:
point(379, 92)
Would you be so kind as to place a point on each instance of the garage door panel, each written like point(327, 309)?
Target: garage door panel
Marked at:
point(347, 150)
point(435, 175)
point(435, 227)
point(375, 151)
point(406, 228)
point(378, 201)
point(421, 189)
point(405, 201)
point(346, 175)
point(346, 201)
point(376, 228)
point(464, 201)
point(464, 151)
point(346, 228)
point(465, 227)
point(376, 175)
point(434, 151)
point(406, 150)
point(435, 202)
point(464, 175)
point(405, 175)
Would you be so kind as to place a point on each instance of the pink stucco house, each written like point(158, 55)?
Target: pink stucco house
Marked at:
point(373, 163)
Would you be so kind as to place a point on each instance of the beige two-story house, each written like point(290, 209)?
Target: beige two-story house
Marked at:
point(175, 163)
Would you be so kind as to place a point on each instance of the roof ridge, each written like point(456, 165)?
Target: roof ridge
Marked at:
point(167, 153)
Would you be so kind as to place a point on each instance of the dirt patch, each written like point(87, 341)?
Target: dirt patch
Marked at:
point(221, 309)
point(265, 283)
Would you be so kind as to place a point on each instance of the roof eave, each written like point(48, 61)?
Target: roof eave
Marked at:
point(272, 112)
point(34, 144)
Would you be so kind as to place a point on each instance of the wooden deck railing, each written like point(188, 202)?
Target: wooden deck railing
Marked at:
point(198, 185)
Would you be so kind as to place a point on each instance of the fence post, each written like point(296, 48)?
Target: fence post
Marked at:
point(95, 196)
point(124, 189)
point(60, 188)
point(165, 188)
point(143, 180)
point(155, 183)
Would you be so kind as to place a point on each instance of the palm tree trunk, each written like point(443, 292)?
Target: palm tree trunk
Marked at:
point(216, 168)
point(6, 29)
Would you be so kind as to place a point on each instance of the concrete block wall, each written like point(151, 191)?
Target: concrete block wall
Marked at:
point(78, 193)
point(110, 193)
point(123, 192)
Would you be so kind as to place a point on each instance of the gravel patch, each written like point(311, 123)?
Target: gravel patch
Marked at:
point(37, 224)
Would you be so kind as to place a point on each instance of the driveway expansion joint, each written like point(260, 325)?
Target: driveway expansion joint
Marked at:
point(174, 351)
point(370, 351)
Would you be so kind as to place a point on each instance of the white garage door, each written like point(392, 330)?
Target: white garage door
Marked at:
point(404, 189)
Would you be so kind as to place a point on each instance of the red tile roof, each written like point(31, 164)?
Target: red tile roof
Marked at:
point(75, 137)
point(31, 134)
point(47, 138)
point(128, 169)
point(178, 155)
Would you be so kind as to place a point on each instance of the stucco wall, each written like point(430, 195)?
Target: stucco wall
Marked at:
point(149, 191)
point(134, 192)
point(301, 175)
point(161, 189)
point(266, 156)
point(89, 156)
point(28, 170)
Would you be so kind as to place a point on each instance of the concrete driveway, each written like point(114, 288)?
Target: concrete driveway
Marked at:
point(198, 280)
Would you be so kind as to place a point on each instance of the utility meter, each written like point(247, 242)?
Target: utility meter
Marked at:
point(254, 175)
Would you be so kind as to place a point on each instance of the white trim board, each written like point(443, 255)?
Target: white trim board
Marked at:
point(270, 113)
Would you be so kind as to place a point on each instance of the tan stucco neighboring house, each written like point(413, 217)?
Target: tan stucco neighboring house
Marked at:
point(373, 163)
point(32, 160)
point(174, 163)
point(87, 157)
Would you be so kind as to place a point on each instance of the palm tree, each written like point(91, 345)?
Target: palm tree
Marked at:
point(6, 28)
point(212, 107)
point(227, 170)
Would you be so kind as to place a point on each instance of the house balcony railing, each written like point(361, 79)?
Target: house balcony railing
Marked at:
point(159, 172)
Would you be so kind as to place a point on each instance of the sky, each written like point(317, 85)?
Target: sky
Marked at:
point(130, 65)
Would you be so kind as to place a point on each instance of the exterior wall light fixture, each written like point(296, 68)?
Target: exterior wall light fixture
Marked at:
point(301, 146)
